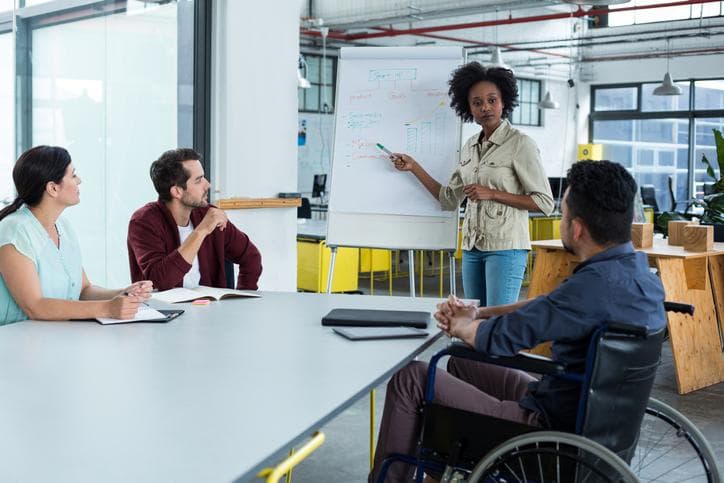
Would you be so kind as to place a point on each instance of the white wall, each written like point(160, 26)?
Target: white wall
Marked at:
point(652, 70)
point(254, 125)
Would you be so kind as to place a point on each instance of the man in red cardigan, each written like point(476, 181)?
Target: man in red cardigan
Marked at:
point(183, 241)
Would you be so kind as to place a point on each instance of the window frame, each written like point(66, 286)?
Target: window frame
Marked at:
point(691, 114)
point(194, 124)
point(318, 85)
point(522, 102)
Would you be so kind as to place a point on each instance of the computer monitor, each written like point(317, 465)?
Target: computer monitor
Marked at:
point(319, 185)
point(558, 186)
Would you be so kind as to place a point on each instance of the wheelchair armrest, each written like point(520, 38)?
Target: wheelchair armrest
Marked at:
point(523, 361)
point(677, 307)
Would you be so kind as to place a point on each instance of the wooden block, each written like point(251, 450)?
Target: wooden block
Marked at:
point(642, 235)
point(676, 231)
point(698, 238)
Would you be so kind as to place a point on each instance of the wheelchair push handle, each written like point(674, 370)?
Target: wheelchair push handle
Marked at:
point(677, 307)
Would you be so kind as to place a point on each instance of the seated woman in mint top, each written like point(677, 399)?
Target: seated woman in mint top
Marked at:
point(41, 276)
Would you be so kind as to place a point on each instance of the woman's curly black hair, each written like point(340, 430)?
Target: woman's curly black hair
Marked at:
point(466, 76)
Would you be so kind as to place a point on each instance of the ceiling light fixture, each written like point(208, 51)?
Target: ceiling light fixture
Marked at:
point(548, 103)
point(667, 87)
point(302, 73)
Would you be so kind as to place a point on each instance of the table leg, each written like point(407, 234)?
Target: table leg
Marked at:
point(550, 268)
point(716, 278)
point(697, 354)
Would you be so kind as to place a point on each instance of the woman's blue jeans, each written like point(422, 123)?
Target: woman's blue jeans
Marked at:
point(493, 277)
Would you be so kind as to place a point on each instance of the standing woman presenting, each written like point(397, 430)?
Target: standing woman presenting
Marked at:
point(500, 174)
point(41, 276)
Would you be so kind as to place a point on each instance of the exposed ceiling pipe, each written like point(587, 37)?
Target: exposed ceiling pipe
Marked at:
point(506, 21)
point(487, 44)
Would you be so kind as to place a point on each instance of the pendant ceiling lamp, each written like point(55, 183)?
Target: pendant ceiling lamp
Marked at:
point(496, 60)
point(547, 102)
point(301, 73)
point(667, 87)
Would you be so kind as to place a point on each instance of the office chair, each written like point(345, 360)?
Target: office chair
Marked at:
point(648, 196)
point(708, 188)
point(304, 211)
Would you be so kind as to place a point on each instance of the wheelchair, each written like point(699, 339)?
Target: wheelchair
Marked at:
point(621, 434)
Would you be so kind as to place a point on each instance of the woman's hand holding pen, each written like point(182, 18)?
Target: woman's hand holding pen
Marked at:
point(141, 290)
point(403, 162)
point(476, 192)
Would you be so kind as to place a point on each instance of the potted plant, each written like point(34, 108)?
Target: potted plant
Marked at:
point(713, 204)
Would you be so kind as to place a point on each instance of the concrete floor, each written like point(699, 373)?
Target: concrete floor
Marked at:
point(344, 457)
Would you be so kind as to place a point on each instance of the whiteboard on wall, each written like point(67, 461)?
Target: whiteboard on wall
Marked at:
point(395, 96)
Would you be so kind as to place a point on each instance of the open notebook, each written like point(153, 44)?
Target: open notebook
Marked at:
point(181, 294)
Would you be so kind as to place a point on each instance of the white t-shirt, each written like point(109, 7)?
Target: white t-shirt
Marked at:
point(193, 276)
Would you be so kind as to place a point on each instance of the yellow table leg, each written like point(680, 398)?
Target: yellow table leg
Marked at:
point(372, 428)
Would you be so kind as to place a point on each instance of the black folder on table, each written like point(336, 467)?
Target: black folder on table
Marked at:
point(376, 318)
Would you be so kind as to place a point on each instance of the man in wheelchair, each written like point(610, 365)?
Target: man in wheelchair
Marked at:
point(612, 283)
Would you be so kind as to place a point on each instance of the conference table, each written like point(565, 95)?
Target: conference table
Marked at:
point(215, 395)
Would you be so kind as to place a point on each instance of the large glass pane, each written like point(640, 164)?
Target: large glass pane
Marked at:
point(106, 89)
point(7, 116)
point(616, 99)
point(313, 69)
point(605, 131)
point(6, 5)
point(653, 150)
point(709, 94)
point(652, 103)
point(705, 146)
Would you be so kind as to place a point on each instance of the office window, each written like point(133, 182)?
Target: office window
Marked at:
point(527, 112)
point(652, 137)
point(616, 99)
point(653, 150)
point(321, 73)
point(705, 145)
point(709, 94)
point(7, 116)
point(652, 103)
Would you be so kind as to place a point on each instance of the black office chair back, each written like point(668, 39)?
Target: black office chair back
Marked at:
point(648, 196)
point(304, 211)
point(622, 364)
point(229, 272)
point(708, 188)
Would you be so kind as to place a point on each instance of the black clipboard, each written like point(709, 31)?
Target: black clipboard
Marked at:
point(170, 315)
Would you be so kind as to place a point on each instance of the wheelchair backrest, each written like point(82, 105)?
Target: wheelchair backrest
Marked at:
point(621, 366)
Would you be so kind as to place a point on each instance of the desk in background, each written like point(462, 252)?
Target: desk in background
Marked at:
point(688, 277)
point(214, 396)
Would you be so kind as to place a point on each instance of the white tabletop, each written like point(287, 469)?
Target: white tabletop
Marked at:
point(212, 396)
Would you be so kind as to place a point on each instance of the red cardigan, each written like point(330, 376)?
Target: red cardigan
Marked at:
point(153, 242)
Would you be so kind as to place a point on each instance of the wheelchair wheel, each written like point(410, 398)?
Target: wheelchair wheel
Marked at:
point(551, 456)
point(672, 449)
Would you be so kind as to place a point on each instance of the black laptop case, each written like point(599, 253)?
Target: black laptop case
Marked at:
point(376, 318)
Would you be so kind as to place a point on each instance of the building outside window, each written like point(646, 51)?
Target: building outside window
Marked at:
point(660, 137)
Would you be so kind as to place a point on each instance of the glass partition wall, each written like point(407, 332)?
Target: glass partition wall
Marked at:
point(113, 82)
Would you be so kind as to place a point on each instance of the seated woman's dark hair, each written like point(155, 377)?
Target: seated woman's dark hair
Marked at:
point(33, 170)
point(601, 194)
point(466, 76)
